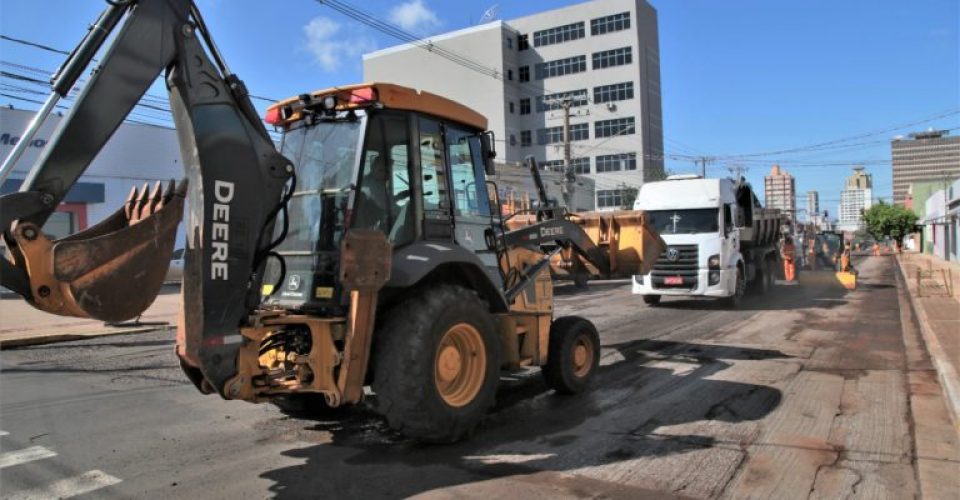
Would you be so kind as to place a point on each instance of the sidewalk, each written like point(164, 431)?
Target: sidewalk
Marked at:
point(23, 325)
point(939, 316)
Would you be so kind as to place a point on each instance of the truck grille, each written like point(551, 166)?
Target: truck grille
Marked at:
point(686, 266)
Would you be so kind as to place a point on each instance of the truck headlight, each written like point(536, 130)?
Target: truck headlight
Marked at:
point(713, 262)
point(714, 277)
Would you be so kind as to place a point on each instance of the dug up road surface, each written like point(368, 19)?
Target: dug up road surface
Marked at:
point(806, 392)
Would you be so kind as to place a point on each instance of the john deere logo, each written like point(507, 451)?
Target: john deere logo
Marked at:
point(673, 255)
point(293, 284)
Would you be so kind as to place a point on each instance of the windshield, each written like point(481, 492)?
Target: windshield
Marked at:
point(686, 221)
point(325, 158)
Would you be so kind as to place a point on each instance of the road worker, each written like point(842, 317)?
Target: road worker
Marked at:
point(788, 251)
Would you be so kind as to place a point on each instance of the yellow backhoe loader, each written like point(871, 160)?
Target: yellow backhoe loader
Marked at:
point(369, 250)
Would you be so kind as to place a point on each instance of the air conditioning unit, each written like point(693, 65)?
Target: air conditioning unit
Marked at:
point(611, 106)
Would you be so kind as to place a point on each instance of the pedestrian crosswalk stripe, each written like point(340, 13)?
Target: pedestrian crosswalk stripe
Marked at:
point(11, 458)
point(65, 488)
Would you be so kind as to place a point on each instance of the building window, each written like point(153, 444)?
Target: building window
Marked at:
point(615, 92)
point(580, 165)
point(615, 127)
point(513, 140)
point(559, 34)
point(525, 106)
point(525, 138)
point(615, 57)
point(509, 42)
point(510, 74)
point(607, 198)
point(616, 163)
point(610, 24)
point(554, 135)
point(551, 102)
point(561, 67)
point(524, 73)
point(523, 43)
point(511, 107)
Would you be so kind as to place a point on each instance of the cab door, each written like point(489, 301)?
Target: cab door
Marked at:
point(468, 191)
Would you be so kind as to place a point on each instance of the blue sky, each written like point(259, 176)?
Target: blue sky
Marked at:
point(739, 77)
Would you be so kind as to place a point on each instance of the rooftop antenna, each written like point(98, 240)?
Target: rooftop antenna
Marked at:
point(489, 15)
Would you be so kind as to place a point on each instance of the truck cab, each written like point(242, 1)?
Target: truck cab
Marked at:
point(712, 228)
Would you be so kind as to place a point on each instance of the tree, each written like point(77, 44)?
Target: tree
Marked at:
point(628, 195)
point(884, 220)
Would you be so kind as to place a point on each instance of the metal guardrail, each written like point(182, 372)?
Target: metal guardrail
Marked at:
point(934, 282)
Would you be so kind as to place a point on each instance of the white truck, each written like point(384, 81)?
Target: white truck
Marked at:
point(720, 240)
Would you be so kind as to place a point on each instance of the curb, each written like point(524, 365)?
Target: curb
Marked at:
point(947, 374)
point(66, 337)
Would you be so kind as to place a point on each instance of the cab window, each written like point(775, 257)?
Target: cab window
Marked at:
point(383, 194)
point(435, 196)
point(466, 173)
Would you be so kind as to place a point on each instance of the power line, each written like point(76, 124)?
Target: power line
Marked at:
point(943, 114)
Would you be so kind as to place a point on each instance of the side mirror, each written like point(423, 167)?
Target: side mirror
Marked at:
point(488, 152)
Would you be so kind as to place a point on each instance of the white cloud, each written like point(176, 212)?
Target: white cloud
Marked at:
point(414, 16)
point(329, 47)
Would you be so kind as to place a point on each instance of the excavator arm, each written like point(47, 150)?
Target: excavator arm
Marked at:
point(236, 184)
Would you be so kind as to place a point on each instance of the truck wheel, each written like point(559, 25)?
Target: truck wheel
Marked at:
point(737, 297)
point(769, 274)
point(651, 300)
point(573, 356)
point(761, 283)
point(437, 364)
point(312, 406)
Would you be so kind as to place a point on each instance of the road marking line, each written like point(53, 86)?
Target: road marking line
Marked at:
point(4, 433)
point(25, 455)
point(70, 487)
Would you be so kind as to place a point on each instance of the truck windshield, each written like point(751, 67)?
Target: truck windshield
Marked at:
point(685, 221)
point(325, 157)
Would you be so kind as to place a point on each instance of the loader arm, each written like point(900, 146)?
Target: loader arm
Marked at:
point(234, 186)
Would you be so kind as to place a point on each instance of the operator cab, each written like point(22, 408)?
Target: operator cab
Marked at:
point(375, 156)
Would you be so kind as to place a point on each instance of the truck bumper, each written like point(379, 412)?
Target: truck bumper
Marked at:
point(643, 285)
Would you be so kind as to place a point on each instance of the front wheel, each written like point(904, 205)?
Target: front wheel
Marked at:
point(437, 364)
point(573, 356)
point(734, 300)
point(651, 300)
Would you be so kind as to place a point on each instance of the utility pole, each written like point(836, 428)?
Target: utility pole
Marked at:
point(946, 233)
point(702, 161)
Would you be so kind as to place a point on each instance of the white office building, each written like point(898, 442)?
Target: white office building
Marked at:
point(136, 154)
point(600, 59)
point(856, 197)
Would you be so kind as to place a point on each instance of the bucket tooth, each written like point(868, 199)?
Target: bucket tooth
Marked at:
point(150, 206)
point(131, 201)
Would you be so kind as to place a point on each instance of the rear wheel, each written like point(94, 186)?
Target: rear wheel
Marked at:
point(651, 300)
point(573, 356)
point(437, 364)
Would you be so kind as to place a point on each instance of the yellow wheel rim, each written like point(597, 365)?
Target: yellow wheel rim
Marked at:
point(461, 365)
point(582, 358)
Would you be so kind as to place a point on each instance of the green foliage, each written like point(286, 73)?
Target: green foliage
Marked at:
point(628, 195)
point(889, 220)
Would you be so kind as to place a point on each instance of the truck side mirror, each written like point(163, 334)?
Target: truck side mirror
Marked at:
point(738, 217)
point(488, 152)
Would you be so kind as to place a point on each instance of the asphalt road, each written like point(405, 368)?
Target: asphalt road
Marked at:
point(801, 393)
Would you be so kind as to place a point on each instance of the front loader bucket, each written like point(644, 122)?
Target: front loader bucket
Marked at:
point(113, 270)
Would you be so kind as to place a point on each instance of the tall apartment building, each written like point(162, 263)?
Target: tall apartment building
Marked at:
point(923, 156)
point(813, 206)
point(600, 59)
point(857, 195)
point(780, 191)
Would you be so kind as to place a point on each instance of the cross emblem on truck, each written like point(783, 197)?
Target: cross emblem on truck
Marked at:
point(676, 218)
